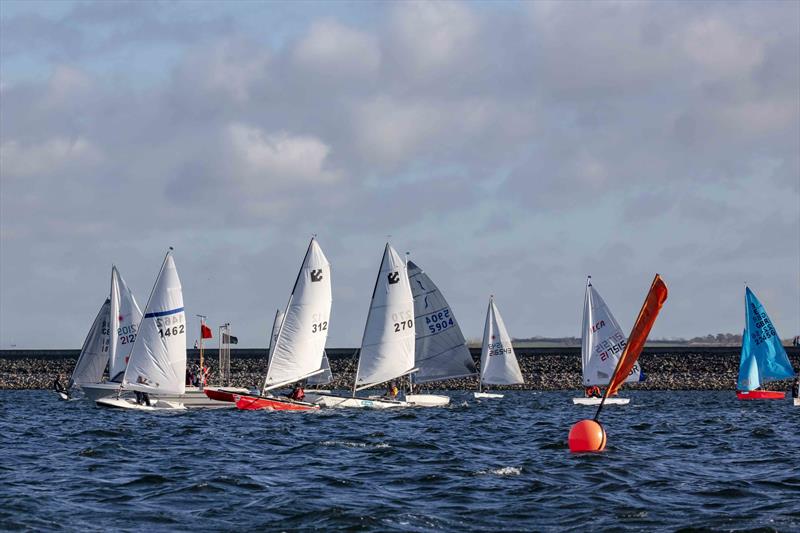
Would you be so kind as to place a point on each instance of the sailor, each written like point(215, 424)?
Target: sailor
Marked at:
point(392, 391)
point(58, 386)
point(297, 393)
point(796, 387)
point(593, 392)
point(142, 397)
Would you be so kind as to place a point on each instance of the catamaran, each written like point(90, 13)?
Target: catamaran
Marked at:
point(113, 346)
point(157, 363)
point(441, 351)
point(387, 347)
point(602, 343)
point(300, 342)
point(763, 357)
point(499, 364)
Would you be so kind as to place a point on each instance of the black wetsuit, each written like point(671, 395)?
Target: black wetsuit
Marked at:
point(58, 387)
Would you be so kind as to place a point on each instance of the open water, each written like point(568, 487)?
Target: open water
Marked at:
point(674, 460)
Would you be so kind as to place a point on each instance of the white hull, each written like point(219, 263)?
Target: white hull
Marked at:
point(194, 398)
point(796, 402)
point(62, 396)
point(427, 400)
point(329, 401)
point(155, 405)
point(596, 401)
point(98, 391)
point(488, 395)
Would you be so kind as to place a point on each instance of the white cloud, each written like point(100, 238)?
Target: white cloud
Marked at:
point(49, 158)
point(720, 49)
point(270, 160)
point(332, 49)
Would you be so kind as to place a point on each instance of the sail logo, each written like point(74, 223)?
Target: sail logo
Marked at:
point(316, 275)
point(598, 326)
point(393, 277)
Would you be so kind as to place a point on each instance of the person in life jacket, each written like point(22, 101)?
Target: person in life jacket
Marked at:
point(593, 392)
point(392, 391)
point(796, 388)
point(58, 386)
point(297, 393)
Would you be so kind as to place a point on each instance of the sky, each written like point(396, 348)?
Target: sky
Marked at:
point(510, 148)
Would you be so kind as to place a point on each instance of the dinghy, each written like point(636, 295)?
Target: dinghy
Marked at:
point(763, 357)
point(387, 347)
point(122, 324)
point(157, 364)
point(499, 364)
point(300, 342)
point(602, 343)
point(441, 351)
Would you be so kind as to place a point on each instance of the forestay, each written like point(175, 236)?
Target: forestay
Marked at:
point(440, 350)
point(94, 352)
point(763, 358)
point(602, 341)
point(301, 337)
point(125, 318)
point(158, 360)
point(387, 347)
point(498, 362)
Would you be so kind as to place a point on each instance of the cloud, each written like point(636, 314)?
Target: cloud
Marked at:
point(48, 158)
point(333, 50)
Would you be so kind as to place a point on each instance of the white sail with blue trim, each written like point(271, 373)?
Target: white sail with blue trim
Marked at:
point(158, 359)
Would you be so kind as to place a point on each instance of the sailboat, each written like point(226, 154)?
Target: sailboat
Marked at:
point(387, 347)
point(441, 351)
point(323, 378)
point(602, 343)
point(93, 358)
point(121, 318)
point(763, 357)
point(300, 343)
point(157, 363)
point(499, 364)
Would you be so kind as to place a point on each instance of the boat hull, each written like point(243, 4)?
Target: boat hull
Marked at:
point(124, 403)
point(427, 400)
point(488, 395)
point(760, 395)
point(224, 394)
point(342, 402)
point(98, 391)
point(256, 403)
point(796, 402)
point(596, 401)
point(62, 395)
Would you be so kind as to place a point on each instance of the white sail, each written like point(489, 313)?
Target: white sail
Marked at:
point(125, 316)
point(499, 364)
point(387, 348)
point(94, 353)
point(326, 376)
point(304, 328)
point(158, 360)
point(441, 351)
point(276, 326)
point(602, 341)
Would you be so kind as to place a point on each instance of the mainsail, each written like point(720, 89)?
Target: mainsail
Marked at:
point(387, 347)
point(763, 358)
point(440, 351)
point(125, 318)
point(499, 364)
point(325, 377)
point(301, 338)
point(602, 341)
point(94, 353)
point(158, 359)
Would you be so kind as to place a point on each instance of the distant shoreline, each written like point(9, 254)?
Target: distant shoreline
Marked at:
point(558, 368)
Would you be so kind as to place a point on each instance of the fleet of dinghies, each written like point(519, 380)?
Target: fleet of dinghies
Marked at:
point(135, 360)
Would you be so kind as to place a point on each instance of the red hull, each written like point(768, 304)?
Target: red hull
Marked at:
point(221, 395)
point(254, 403)
point(760, 395)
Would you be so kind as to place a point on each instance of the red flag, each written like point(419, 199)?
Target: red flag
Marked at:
point(205, 332)
point(644, 323)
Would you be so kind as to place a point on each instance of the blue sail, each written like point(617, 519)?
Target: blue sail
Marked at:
point(763, 357)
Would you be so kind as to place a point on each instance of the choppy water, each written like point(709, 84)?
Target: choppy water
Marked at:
point(674, 460)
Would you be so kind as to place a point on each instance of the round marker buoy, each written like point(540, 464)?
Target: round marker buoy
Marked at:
point(587, 436)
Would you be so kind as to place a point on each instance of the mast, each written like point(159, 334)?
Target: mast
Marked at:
point(202, 322)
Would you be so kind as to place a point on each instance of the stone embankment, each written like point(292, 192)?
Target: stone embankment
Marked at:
point(684, 368)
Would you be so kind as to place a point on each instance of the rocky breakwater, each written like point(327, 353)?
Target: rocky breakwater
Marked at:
point(683, 368)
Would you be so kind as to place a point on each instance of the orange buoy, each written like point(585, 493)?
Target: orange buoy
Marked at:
point(587, 436)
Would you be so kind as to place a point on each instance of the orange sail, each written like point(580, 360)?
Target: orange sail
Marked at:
point(641, 329)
